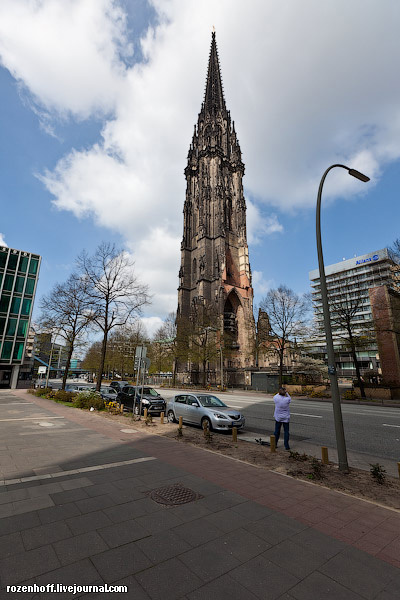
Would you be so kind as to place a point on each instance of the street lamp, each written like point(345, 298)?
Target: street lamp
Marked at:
point(337, 410)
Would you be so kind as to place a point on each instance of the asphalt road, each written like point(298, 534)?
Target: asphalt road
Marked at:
point(372, 430)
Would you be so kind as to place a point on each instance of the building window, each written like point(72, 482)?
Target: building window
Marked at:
point(26, 306)
point(22, 328)
point(12, 262)
point(4, 303)
point(18, 351)
point(15, 304)
point(19, 285)
point(23, 264)
point(6, 351)
point(8, 283)
point(33, 267)
point(11, 327)
point(30, 286)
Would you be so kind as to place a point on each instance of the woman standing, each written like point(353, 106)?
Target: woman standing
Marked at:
point(282, 416)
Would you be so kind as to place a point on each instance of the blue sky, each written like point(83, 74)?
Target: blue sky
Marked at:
point(99, 99)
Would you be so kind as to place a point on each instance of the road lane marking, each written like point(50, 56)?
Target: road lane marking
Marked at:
point(30, 419)
point(387, 425)
point(303, 415)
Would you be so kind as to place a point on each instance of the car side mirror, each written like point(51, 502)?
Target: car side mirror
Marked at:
point(195, 404)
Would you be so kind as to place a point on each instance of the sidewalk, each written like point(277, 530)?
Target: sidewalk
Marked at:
point(81, 518)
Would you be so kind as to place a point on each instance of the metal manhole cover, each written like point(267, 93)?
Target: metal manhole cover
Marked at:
point(174, 495)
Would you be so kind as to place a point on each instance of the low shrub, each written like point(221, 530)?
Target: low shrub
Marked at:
point(306, 390)
point(88, 400)
point(317, 469)
point(293, 455)
point(319, 394)
point(349, 395)
point(63, 396)
point(43, 392)
point(378, 472)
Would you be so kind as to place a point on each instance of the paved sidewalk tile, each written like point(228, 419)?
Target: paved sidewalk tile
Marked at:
point(121, 562)
point(360, 572)
point(80, 546)
point(169, 580)
point(27, 564)
point(318, 586)
point(265, 579)
point(45, 534)
point(222, 588)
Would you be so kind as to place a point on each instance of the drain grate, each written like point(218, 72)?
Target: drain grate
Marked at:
point(174, 495)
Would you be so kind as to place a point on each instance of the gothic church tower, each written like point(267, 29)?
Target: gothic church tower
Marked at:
point(215, 267)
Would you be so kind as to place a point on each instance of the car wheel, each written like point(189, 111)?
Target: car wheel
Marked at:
point(171, 417)
point(203, 423)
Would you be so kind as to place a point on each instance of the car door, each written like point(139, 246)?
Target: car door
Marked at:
point(180, 406)
point(193, 413)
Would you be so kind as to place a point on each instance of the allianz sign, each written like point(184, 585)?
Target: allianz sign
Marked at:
point(367, 260)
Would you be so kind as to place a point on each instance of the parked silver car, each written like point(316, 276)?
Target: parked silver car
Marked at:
point(198, 408)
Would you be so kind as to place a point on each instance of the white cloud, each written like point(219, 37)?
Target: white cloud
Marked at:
point(258, 225)
point(305, 82)
point(261, 284)
point(2, 240)
point(151, 324)
point(66, 53)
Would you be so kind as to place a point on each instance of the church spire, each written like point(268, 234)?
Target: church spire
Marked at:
point(214, 94)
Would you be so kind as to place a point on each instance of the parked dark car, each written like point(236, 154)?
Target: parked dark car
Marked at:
point(108, 393)
point(119, 384)
point(151, 399)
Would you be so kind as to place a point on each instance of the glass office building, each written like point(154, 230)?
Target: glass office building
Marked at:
point(18, 279)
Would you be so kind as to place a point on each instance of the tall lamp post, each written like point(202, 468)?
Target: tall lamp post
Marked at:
point(337, 410)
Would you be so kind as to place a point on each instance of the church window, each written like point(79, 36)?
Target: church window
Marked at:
point(194, 271)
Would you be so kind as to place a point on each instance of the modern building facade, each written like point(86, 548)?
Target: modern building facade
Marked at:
point(348, 284)
point(19, 273)
point(215, 275)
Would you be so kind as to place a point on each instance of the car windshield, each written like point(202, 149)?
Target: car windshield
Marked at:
point(210, 401)
point(149, 391)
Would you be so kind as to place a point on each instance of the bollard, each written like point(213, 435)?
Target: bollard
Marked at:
point(122, 408)
point(273, 443)
point(398, 467)
point(162, 418)
point(234, 434)
point(180, 422)
point(145, 413)
point(324, 455)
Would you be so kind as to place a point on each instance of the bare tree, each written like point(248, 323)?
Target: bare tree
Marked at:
point(117, 293)
point(68, 310)
point(287, 314)
point(197, 338)
point(350, 327)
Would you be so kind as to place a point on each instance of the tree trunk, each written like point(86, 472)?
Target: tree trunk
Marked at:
point(174, 372)
point(64, 379)
point(102, 361)
point(354, 356)
point(204, 373)
point(281, 367)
